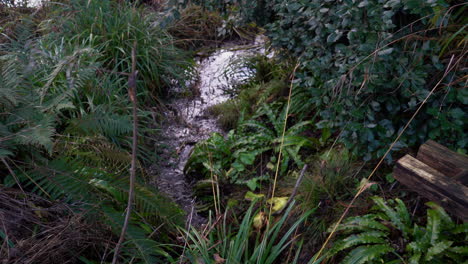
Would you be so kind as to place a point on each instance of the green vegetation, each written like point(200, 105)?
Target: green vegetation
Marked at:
point(232, 245)
point(268, 84)
point(66, 117)
point(366, 65)
point(233, 159)
point(331, 177)
point(390, 236)
point(343, 81)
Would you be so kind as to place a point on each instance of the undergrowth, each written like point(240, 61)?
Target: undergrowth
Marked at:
point(389, 235)
point(66, 118)
point(364, 67)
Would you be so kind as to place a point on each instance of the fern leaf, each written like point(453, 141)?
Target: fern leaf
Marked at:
point(101, 123)
point(364, 254)
point(9, 81)
point(137, 242)
point(462, 250)
point(444, 217)
point(38, 133)
point(402, 212)
point(362, 223)
point(433, 225)
point(392, 215)
point(372, 237)
point(437, 249)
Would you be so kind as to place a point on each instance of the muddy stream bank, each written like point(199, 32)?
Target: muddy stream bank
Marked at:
point(187, 120)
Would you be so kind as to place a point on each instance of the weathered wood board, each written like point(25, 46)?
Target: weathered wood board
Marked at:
point(434, 185)
point(449, 163)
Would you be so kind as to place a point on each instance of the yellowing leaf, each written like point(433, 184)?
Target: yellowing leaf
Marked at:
point(250, 196)
point(278, 203)
point(259, 220)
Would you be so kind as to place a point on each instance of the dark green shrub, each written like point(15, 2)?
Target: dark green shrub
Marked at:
point(364, 85)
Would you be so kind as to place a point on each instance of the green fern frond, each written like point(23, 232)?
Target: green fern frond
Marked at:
point(9, 80)
point(433, 225)
point(393, 215)
point(100, 123)
point(137, 242)
point(149, 205)
point(95, 151)
point(437, 249)
point(362, 223)
point(444, 217)
point(370, 237)
point(60, 179)
point(37, 133)
point(66, 66)
point(365, 254)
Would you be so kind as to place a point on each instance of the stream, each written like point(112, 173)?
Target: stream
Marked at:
point(188, 122)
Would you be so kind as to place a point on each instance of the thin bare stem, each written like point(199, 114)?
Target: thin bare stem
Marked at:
point(133, 98)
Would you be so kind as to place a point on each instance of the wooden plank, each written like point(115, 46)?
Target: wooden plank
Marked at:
point(445, 161)
point(433, 185)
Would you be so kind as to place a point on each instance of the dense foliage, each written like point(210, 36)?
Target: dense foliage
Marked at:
point(372, 238)
point(66, 115)
point(366, 66)
point(232, 245)
point(233, 158)
point(237, 11)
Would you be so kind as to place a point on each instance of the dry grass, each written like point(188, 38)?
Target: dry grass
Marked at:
point(35, 230)
point(196, 27)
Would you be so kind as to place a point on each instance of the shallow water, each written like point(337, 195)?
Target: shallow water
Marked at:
point(188, 121)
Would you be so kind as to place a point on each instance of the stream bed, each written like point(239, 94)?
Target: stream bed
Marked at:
point(188, 122)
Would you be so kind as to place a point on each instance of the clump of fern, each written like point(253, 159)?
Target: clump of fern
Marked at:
point(234, 158)
point(389, 235)
point(64, 135)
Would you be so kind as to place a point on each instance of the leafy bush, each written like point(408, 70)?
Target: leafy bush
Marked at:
point(232, 159)
point(362, 80)
point(390, 236)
